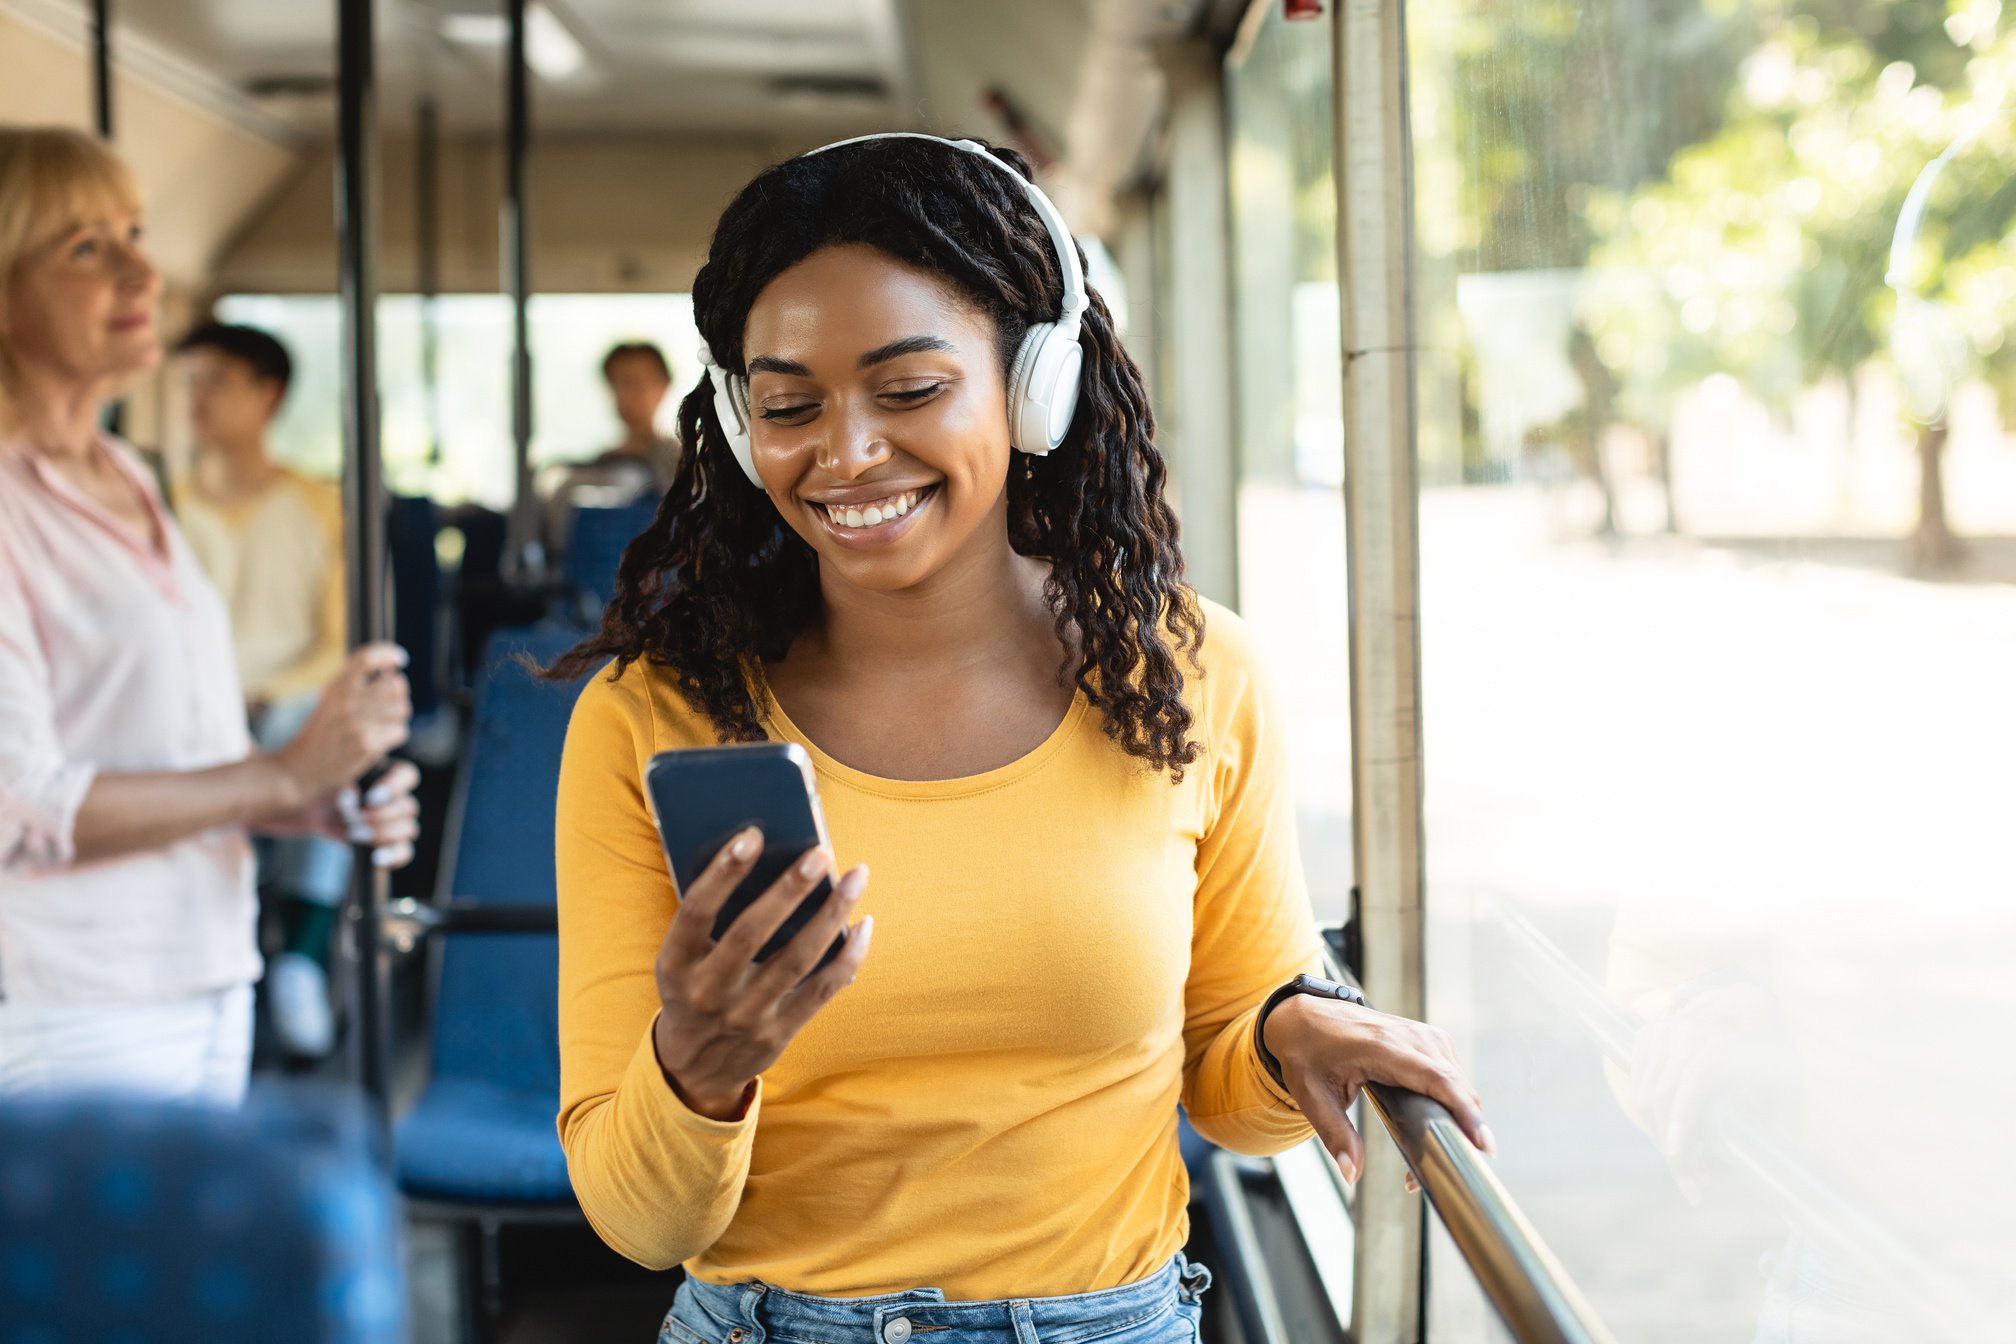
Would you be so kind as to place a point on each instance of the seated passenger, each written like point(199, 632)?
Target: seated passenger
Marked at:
point(1064, 768)
point(640, 467)
point(127, 778)
point(271, 540)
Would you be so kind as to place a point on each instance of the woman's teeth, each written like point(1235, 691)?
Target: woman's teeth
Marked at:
point(875, 512)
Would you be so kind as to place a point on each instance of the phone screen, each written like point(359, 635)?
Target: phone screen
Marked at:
point(702, 797)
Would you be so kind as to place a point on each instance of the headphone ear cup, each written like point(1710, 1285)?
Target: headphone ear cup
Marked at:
point(731, 409)
point(1018, 384)
point(1043, 388)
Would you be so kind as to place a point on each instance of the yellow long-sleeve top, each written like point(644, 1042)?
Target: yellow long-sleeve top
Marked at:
point(278, 560)
point(1064, 947)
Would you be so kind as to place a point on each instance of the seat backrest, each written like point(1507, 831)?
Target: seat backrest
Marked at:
point(494, 1006)
point(410, 526)
point(130, 1219)
point(595, 541)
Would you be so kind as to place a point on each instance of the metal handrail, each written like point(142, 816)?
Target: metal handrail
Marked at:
point(1524, 1283)
point(1532, 1293)
point(407, 921)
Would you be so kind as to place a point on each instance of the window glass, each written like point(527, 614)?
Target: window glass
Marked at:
point(1289, 400)
point(471, 403)
point(1718, 622)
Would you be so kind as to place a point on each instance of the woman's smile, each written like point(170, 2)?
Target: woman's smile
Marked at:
point(880, 427)
point(880, 520)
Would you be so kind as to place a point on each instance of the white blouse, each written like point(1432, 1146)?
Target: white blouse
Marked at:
point(112, 659)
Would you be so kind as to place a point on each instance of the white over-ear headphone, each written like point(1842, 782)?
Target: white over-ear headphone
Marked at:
point(1043, 380)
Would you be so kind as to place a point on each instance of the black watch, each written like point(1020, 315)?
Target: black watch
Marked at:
point(1301, 984)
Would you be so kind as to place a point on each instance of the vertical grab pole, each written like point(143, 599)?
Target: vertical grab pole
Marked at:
point(427, 240)
point(363, 490)
point(101, 66)
point(517, 282)
point(101, 117)
point(1375, 199)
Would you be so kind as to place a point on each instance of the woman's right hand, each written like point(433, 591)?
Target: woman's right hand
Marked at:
point(723, 1018)
point(364, 714)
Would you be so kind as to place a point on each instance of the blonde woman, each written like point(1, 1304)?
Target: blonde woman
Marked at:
point(127, 779)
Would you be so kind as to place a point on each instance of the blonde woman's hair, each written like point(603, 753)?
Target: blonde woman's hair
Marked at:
point(51, 180)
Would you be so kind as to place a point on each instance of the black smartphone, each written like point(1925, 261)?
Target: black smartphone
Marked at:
point(702, 797)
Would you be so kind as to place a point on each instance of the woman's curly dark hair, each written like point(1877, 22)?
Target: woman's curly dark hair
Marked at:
point(718, 584)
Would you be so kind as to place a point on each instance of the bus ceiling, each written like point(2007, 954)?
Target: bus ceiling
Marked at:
point(655, 115)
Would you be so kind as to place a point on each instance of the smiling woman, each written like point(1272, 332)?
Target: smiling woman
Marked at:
point(127, 778)
point(968, 281)
point(69, 220)
point(914, 385)
point(923, 536)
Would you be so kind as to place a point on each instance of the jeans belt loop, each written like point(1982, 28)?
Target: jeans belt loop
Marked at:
point(752, 1301)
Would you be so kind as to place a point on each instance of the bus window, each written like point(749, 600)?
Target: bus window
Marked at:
point(1290, 417)
point(1716, 707)
point(572, 415)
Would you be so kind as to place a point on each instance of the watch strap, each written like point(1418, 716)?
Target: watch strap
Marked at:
point(1301, 984)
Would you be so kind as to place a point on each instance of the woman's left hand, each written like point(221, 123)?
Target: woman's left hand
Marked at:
point(1330, 1049)
point(387, 817)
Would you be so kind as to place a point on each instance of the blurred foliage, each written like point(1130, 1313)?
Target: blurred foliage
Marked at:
point(1548, 100)
point(1720, 182)
point(1723, 184)
point(1765, 250)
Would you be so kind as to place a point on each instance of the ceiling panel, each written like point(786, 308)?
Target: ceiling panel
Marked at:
point(782, 74)
point(1033, 50)
point(652, 66)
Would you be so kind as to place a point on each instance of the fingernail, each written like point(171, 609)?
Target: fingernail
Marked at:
point(1490, 1144)
point(360, 834)
point(813, 861)
point(856, 881)
point(867, 930)
point(346, 804)
point(378, 796)
point(1348, 1169)
point(385, 856)
point(744, 845)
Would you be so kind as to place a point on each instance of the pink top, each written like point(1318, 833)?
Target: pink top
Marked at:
point(112, 659)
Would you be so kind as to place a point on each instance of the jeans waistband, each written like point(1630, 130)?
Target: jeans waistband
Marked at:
point(920, 1315)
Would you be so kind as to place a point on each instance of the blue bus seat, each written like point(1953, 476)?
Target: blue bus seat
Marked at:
point(482, 1130)
point(595, 541)
point(410, 527)
point(123, 1218)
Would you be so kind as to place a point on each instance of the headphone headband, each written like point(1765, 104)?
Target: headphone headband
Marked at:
point(1043, 379)
point(1061, 242)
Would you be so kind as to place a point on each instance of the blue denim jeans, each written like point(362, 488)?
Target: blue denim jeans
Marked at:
point(1163, 1308)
